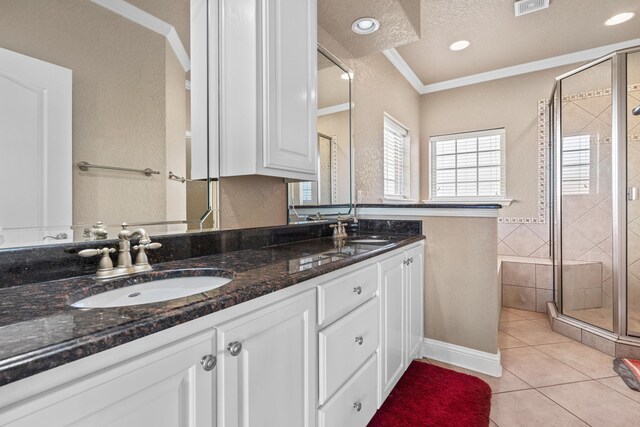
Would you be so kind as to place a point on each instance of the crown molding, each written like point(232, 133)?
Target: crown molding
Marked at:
point(140, 17)
point(333, 109)
point(557, 61)
point(401, 65)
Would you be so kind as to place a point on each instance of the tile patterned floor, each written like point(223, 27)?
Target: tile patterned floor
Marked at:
point(550, 380)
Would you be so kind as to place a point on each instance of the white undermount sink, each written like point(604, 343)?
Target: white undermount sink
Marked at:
point(154, 291)
point(369, 241)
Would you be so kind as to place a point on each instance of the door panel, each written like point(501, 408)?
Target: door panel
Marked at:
point(35, 143)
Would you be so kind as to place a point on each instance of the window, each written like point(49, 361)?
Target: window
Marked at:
point(396, 159)
point(468, 166)
point(305, 192)
point(576, 164)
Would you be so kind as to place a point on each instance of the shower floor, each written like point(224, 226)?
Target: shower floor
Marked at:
point(603, 318)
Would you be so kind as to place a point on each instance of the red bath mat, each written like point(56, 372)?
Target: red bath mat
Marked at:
point(428, 395)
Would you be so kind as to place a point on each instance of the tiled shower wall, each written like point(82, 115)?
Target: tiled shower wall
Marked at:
point(529, 240)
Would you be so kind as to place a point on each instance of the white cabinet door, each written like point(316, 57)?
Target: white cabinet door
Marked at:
point(289, 106)
point(165, 388)
point(415, 301)
point(267, 88)
point(267, 366)
point(392, 323)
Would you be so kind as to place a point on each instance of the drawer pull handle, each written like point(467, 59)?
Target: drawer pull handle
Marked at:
point(359, 340)
point(208, 362)
point(357, 406)
point(234, 348)
point(357, 290)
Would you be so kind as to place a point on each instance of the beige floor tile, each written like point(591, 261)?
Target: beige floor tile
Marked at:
point(595, 403)
point(508, 315)
point(618, 385)
point(492, 424)
point(538, 369)
point(522, 314)
point(532, 333)
point(542, 322)
point(581, 358)
point(507, 382)
point(529, 408)
point(507, 341)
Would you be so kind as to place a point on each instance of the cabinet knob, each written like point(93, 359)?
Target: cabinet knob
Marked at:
point(357, 406)
point(357, 290)
point(234, 348)
point(208, 362)
point(359, 340)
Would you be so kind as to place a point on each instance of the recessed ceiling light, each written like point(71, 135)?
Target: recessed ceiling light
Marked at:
point(460, 44)
point(619, 18)
point(365, 25)
point(346, 76)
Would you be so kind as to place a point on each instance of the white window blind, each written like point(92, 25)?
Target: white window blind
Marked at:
point(576, 164)
point(468, 166)
point(396, 159)
point(305, 192)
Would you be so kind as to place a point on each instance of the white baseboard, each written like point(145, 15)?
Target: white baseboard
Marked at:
point(464, 357)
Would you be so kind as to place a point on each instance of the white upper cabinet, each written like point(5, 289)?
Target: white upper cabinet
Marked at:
point(267, 88)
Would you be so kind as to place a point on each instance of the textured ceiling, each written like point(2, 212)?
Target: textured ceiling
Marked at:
point(498, 38)
point(399, 23)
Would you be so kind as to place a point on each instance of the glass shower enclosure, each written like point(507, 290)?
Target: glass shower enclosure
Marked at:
point(595, 145)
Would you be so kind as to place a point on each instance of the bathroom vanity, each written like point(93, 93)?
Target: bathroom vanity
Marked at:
point(314, 332)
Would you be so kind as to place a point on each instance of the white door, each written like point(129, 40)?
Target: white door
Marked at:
point(415, 303)
point(35, 143)
point(165, 388)
point(392, 323)
point(267, 359)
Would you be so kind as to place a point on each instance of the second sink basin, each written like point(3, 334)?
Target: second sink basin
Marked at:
point(152, 291)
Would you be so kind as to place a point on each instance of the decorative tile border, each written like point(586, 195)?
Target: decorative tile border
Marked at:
point(542, 173)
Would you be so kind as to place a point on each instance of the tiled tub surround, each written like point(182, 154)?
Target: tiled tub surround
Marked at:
point(39, 330)
point(527, 284)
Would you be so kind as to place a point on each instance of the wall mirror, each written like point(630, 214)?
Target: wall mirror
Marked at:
point(103, 112)
point(331, 194)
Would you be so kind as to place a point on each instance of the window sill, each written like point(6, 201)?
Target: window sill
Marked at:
point(398, 200)
point(462, 201)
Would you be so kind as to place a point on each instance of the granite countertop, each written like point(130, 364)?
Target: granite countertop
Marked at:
point(39, 330)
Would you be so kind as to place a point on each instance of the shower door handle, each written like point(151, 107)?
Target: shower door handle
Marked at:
point(633, 193)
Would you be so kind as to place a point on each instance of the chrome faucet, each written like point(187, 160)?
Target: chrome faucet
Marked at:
point(339, 232)
point(125, 267)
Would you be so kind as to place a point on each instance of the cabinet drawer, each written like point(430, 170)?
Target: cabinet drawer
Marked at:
point(340, 296)
point(360, 392)
point(345, 345)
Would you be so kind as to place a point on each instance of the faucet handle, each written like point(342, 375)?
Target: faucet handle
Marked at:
point(105, 260)
point(148, 246)
point(141, 258)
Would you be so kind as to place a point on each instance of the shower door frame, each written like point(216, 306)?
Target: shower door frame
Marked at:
point(619, 187)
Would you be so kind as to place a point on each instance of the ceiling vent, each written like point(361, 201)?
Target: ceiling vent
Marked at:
point(527, 6)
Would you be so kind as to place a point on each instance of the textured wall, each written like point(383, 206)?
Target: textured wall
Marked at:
point(379, 88)
point(511, 103)
point(252, 201)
